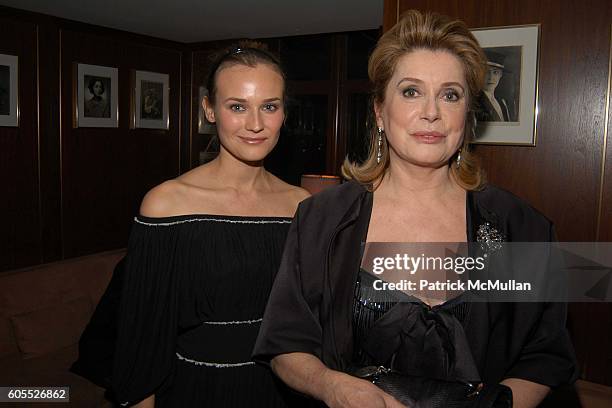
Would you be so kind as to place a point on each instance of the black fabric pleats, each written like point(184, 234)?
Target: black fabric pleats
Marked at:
point(194, 293)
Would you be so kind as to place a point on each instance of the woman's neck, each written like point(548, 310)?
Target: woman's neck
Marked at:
point(239, 175)
point(407, 179)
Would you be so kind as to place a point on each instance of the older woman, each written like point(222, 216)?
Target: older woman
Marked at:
point(419, 184)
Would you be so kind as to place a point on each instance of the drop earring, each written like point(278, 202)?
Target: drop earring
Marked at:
point(458, 161)
point(379, 149)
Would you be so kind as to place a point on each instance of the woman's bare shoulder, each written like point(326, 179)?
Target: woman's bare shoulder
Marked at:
point(189, 193)
point(161, 200)
point(298, 194)
point(301, 194)
point(293, 194)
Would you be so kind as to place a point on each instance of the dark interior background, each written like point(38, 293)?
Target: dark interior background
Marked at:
point(71, 191)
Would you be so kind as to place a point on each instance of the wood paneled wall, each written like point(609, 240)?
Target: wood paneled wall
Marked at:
point(71, 191)
point(568, 174)
point(20, 238)
point(123, 163)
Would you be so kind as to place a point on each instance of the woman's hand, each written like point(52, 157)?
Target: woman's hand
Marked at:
point(345, 391)
point(526, 394)
point(307, 374)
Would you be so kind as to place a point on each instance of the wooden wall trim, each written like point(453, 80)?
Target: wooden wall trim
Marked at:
point(187, 86)
point(60, 143)
point(38, 141)
point(602, 179)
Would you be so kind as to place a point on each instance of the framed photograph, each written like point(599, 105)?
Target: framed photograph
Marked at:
point(150, 93)
point(96, 96)
point(508, 106)
point(204, 126)
point(9, 106)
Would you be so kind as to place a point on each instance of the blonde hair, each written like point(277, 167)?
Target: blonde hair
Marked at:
point(431, 31)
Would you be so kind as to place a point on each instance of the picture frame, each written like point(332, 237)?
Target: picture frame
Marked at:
point(508, 106)
point(204, 126)
point(9, 90)
point(96, 97)
point(150, 100)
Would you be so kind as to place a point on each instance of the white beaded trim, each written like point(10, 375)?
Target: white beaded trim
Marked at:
point(216, 365)
point(166, 224)
point(235, 322)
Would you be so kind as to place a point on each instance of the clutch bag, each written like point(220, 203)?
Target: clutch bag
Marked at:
point(420, 392)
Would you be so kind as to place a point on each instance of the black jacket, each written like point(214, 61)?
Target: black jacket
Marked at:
point(310, 307)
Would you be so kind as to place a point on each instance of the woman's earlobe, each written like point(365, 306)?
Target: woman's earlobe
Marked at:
point(378, 115)
point(209, 112)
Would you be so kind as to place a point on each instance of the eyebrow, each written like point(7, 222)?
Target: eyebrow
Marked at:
point(244, 100)
point(445, 84)
point(409, 79)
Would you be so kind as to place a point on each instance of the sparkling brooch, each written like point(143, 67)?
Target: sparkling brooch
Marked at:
point(490, 239)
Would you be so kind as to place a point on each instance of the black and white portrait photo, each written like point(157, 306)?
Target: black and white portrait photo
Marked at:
point(9, 104)
point(152, 100)
point(506, 111)
point(150, 93)
point(501, 95)
point(5, 90)
point(97, 96)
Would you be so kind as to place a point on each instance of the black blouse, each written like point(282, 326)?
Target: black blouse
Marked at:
point(311, 304)
point(399, 331)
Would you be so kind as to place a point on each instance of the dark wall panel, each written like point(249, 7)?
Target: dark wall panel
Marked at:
point(602, 315)
point(49, 161)
point(20, 239)
point(106, 171)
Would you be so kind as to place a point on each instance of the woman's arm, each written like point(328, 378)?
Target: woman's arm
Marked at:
point(526, 394)
point(147, 318)
point(307, 374)
point(148, 402)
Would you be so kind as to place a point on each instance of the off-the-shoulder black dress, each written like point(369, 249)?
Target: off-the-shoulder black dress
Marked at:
point(193, 296)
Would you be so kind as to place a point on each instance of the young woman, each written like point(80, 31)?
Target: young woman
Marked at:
point(204, 252)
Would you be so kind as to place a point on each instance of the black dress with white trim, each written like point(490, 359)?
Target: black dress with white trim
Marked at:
point(194, 293)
